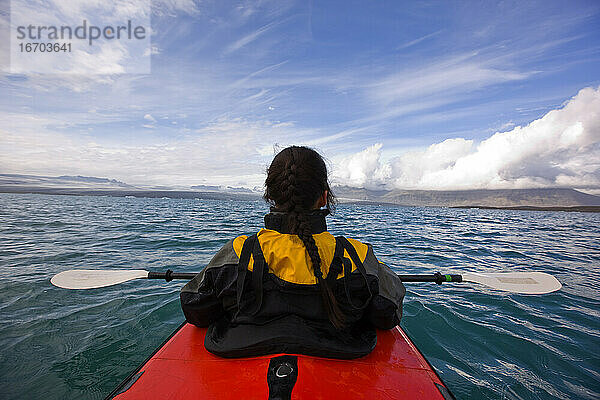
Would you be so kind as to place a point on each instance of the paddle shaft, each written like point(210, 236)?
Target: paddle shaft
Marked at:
point(437, 277)
point(170, 275)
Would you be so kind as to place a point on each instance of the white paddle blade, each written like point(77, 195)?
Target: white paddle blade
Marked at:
point(95, 278)
point(517, 282)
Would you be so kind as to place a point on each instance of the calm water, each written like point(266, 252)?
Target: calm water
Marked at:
point(65, 344)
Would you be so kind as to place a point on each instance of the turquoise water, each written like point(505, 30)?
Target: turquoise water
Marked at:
point(65, 344)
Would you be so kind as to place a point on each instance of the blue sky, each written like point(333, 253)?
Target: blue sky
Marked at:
point(394, 94)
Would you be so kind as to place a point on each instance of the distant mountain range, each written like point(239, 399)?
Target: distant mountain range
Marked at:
point(228, 189)
point(59, 181)
point(551, 198)
point(92, 186)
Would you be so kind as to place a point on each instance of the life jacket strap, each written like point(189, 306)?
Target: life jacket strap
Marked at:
point(258, 274)
point(242, 269)
point(345, 244)
point(336, 266)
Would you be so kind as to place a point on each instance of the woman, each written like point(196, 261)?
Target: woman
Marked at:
point(293, 287)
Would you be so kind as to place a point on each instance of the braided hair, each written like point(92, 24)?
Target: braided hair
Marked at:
point(296, 180)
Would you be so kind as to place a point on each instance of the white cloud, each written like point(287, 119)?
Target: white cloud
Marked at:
point(152, 50)
point(149, 117)
point(417, 165)
point(560, 149)
point(363, 169)
point(507, 125)
point(227, 152)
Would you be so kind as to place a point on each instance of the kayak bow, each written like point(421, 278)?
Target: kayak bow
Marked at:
point(181, 369)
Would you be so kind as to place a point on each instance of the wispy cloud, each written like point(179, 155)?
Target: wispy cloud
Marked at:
point(248, 77)
point(335, 137)
point(419, 40)
point(457, 74)
point(251, 37)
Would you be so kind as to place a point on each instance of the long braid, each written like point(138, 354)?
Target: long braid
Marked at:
point(333, 310)
point(284, 187)
point(294, 200)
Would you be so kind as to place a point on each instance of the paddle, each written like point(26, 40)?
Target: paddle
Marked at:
point(516, 282)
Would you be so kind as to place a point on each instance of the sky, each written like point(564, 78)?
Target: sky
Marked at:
point(408, 95)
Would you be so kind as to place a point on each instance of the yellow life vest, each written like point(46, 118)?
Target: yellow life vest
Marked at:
point(288, 259)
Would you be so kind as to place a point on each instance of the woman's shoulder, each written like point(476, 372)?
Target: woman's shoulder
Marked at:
point(225, 255)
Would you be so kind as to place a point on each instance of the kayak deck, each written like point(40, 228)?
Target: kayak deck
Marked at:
point(182, 369)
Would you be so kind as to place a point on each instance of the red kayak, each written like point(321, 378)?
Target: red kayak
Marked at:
point(182, 369)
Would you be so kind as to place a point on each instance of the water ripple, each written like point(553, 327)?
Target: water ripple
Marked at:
point(60, 344)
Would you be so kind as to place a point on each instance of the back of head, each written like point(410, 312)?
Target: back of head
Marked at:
point(296, 181)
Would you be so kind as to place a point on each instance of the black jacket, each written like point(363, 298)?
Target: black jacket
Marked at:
point(258, 295)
